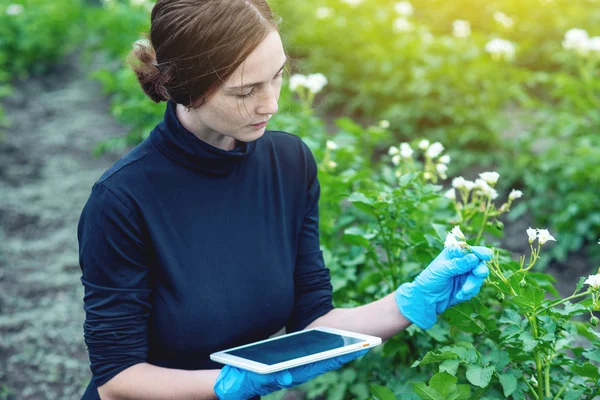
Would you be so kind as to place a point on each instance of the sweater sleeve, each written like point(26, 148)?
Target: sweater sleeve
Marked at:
point(116, 279)
point(312, 282)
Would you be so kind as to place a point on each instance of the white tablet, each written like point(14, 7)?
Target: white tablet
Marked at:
point(294, 349)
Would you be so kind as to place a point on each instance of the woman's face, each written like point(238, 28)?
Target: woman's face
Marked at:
point(247, 98)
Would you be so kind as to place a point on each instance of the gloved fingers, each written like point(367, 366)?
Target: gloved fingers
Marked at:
point(470, 288)
point(283, 378)
point(484, 253)
point(481, 271)
point(459, 266)
point(450, 253)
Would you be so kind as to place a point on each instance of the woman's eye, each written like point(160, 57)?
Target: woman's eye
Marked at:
point(243, 96)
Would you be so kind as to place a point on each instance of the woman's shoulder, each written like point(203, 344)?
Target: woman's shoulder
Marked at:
point(287, 142)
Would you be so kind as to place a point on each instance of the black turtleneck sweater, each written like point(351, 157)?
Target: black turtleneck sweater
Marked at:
point(187, 249)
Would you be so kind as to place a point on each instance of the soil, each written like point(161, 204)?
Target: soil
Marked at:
point(46, 174)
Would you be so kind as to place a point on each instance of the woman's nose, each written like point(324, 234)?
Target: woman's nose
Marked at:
point(268, 102)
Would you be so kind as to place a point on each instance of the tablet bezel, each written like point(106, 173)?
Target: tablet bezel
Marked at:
point(260, 368)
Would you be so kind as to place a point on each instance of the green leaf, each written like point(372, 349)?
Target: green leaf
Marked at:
point(569, 309)
point(508, 382)
point(441, 230)
point(425, 392)
point(382, 393)
point(348, 375)
point(450, 366)
point(529, 342)
point(463, 392)
point(524, 303)
point(444, 383)
point(592, 355)
point(580, 284)
point(435, 357)
point(587, 369)
point(362, 202)
point(480, 376)
point(360, 390)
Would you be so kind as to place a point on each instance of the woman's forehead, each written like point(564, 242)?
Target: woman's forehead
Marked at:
point(260, 66)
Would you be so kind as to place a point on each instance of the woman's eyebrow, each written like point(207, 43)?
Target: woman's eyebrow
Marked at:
point(248, 85)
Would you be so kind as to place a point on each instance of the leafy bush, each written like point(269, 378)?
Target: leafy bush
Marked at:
point(36, 34)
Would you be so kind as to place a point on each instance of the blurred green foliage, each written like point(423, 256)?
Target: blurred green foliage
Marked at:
point(35, 35)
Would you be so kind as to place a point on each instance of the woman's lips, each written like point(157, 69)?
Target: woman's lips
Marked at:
point(260, 125)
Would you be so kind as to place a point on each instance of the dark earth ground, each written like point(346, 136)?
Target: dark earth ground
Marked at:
point(46, 173)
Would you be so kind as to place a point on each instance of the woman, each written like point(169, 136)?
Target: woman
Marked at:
point(205, 236)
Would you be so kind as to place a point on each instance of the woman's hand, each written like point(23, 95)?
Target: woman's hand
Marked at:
point(452, 277)
point(235, 383)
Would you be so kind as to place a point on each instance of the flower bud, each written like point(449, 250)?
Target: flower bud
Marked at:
point(500, 297)
point(594, 321)
point(522, 284)
point(499, 225)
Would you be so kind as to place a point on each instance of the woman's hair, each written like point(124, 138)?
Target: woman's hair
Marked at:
point(195, 45)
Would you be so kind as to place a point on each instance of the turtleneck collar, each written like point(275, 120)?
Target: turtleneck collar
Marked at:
point(183, 146)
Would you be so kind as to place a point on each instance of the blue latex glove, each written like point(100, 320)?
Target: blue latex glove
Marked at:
point(452, 277)
point(236, 384)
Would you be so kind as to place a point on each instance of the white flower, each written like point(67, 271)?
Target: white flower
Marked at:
point(298, 80)
point(434, 150)
point(452, 242)
point(331, 145)
point(532, 234)
point(353, 3)
point(404, 8)
point(14, 9)
point(405, 150)
point(594, 44)
point(396, 159)
point(457, 232)
point(461, 28)
point(316, 82)
point(332, 164)
point(459, 182)
point(324, 12)
point(486, 189)
point(577, 40)
point(490, 177)
point(451, 194)
point(503, 19)
point(393, 151)
point(384, 123)
point(544, 236)
point(500, 49)
point(469, 185)
point(593, 281)
point(402, 25)
point(515, 194)
point(424, 144)
point(441, 169)
point(445, 159)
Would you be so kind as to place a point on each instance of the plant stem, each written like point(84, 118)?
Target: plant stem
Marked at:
point(485, 217)
point(386, 246)
point(536, 355)
point(564, 300)
point(547, 371)
point(562, 389)
point(530, 387)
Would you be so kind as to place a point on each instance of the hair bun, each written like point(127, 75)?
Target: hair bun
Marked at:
point(142, 61)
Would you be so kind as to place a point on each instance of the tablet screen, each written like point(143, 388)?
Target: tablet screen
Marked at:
point(295, 346)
